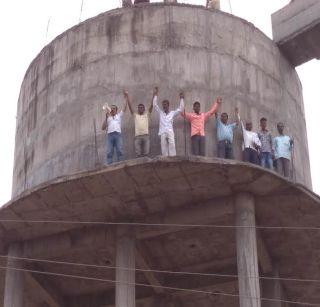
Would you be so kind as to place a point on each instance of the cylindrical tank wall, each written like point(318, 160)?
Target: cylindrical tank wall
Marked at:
point(204, 52)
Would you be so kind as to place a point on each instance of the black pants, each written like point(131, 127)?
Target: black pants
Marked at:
point(251, 155)
point(198, 145)
point(225, 150)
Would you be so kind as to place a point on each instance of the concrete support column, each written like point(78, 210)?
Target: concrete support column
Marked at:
point(247, 258)
point(272, 288)
point(14, 283)
point(125, 258)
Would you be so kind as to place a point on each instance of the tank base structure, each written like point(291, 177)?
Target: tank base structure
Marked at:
point(162, 232)
point(204, 52)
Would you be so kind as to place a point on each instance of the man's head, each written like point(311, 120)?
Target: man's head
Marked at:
point(196, 107)
point(280, 127)
point(141, 109)
point(224, 118)
point(114, 110)
point(165, 105)
point(263, 123)
point(248, 125)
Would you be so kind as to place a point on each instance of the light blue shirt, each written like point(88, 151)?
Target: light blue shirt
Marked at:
point(225, 132)
point(282, 147)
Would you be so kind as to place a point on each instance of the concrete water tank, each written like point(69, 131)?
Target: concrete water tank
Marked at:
point(175, 46)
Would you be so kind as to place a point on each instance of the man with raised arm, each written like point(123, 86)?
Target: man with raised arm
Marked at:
point(112, 125)
point(225, 134)
point(251, 144)
point(166, 117)
point(197, 120)
point(283, 146)
point(141, 126)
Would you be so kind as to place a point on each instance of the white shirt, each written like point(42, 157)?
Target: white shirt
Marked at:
point(114, 123)
point(250, 139)
point(166, 120)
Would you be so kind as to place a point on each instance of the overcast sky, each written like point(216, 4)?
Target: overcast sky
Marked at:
point(23, 29)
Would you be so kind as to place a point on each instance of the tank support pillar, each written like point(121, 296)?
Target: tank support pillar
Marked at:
point(247, 258)
point(14, 283)
point(125, 267)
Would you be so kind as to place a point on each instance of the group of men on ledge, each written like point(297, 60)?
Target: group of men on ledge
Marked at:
point(214, 4)
point(258, 148)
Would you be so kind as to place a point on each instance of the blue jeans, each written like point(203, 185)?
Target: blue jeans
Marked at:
point(114, 141)
point(266, 160)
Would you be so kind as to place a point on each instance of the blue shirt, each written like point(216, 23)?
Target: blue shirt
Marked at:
point(282, 147)
point(225, 132)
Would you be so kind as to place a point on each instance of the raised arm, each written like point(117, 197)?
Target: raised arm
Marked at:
point(238, 120)
point(155, 99)
point(214, 108)
point(104, 124)
point(180, 109)
point(126, 101)
point(155, 93)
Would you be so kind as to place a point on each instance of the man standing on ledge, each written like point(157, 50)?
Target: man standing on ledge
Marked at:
point(141, 126)
point(251, 144)
point(225, 135)
point(197, 121)
point(112, 124)
point(282, 145)
point(266, 151)
point(166, 117)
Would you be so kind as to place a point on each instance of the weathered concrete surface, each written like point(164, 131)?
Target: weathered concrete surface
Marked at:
point(204, 52)
point(125, 258)
point(296, 30)
point(247, 251)
point(165, 191)
point(14, 283)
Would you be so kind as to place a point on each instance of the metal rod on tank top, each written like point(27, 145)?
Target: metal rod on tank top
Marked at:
point(48, 24)
point(230, 6)
point(185, 133)
point(81, 11)
point(97, 159)
point(292, 163)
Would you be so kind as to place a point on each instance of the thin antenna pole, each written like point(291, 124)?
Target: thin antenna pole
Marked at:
point(81, 10)
point(230, 6)
point(294, 179)
point(185, 133)
point(48, 24)
point(97, 159)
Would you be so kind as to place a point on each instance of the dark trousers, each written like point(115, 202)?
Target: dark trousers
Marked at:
point(250, 155)
point(198, 145)
point(225, 150)
point(283, 167)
